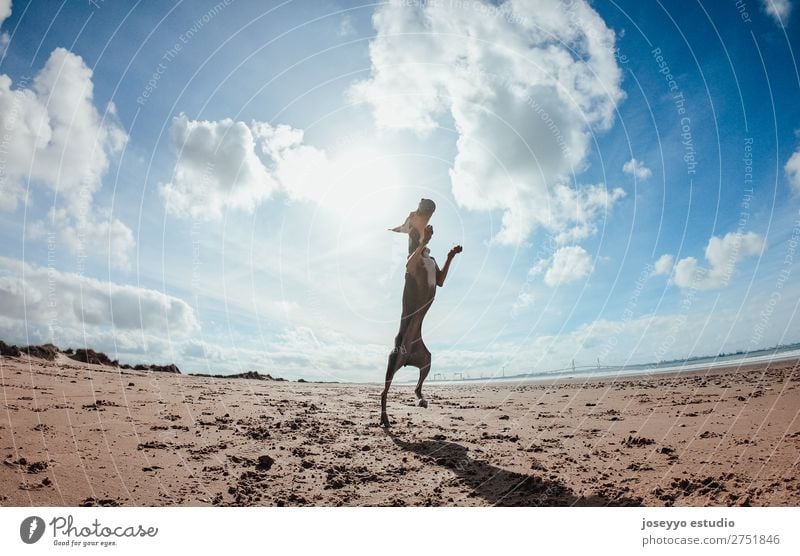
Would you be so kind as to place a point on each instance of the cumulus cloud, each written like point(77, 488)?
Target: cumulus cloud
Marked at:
point(792, 169)
point(722, 255)
point(217, 167)
point(568, 264)
point(57, 139)
point(778, 9)
point(227, 164)
point(67, 302)
point(663, 265)
point(5, 12)
point(300, 170)
point(526, 83)
point(637, 169)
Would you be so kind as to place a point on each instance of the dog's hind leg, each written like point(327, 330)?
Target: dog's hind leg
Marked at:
point(396, 360)
point(423, 361)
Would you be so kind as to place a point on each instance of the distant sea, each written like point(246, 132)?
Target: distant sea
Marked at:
point(589, 371)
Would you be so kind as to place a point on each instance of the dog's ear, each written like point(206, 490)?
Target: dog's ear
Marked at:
point(405, 227)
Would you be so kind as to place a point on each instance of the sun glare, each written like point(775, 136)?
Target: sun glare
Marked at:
point(365, 186)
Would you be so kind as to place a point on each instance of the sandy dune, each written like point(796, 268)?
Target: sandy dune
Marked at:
point(81, 434)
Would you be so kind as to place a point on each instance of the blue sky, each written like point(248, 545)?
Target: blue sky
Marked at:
point(624, 178)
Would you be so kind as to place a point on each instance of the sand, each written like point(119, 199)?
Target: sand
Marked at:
point(78, 434)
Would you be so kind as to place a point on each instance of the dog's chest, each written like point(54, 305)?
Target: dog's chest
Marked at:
point(428, 271)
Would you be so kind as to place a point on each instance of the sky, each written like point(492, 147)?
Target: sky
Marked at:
point(211, 183)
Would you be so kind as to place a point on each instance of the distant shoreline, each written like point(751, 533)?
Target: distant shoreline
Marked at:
point(706, 365)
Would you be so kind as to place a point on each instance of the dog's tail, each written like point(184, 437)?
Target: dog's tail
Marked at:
point(405, 227)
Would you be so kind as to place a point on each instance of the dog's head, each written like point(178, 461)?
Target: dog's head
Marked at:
point(417, 219)
point(426, 207)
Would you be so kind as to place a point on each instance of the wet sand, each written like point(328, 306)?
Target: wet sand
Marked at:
point(79, 434)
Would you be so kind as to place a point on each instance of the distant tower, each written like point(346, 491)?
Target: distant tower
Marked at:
point(598, 362)
point(573, 365)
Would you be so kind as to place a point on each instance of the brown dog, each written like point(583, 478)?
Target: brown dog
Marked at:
point(422, 277)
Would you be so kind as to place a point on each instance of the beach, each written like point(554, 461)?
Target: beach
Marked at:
point(75, 434)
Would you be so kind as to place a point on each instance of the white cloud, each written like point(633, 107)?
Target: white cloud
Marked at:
point(300, 170)
point(43, 296)
point(524, 300)
point(217, 167)
point(573, 212)
point(637, 168)
point(526, 84)
point(568, 265)
point(232, 165)
point(663, 265)
point(326, 353)
point(778, 9)
point(296, 351)
point(5, 12)
point(346, 27)
point(40, 304)
point(540, 266)
point(197, 349)
point(722, 255)
point(97, 235)
point(58, 139)
point(792, 169)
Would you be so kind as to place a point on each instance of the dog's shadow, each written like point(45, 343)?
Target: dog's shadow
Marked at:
point(501, 487)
